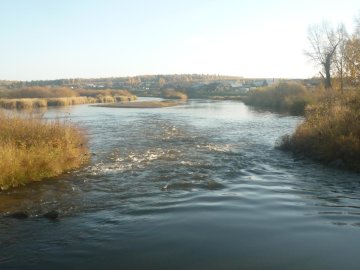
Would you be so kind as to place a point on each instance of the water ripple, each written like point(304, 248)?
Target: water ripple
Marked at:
point(205, 174)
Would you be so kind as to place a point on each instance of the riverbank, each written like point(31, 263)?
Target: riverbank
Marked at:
point(285, 97)
point(34, 149)
point(42, 97)
point(31, 103)
point(331, 131)
point(172, 94)
point(141, 104)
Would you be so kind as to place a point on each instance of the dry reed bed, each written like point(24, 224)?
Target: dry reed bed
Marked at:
point(172, 94)
point(286, 97)
point(30, 103)
point(330, 132)
point(33, 149)
point(56, 92)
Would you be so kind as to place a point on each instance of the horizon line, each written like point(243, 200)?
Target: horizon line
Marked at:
point(159, 74)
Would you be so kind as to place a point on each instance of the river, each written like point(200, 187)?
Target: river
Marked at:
point(197, 186)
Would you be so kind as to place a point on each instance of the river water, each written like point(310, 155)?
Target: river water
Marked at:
point(198, 186)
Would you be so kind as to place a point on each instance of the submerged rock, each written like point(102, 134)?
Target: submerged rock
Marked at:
point(18, 215)
point(51, 215)
point(213, 185)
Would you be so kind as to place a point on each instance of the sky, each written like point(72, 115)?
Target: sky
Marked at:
point(45, 39)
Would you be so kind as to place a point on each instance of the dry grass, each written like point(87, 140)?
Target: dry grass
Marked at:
point(33, 149)
point(106, 92)
point(141, 104)
point(172, 94)
point(40, 92)
point(106, 99)
point(37, 97)
point(24, 103)
point(283, 97)
point(58, 92)
point(125, 98)
point(330, 132)
point(70, 101)
point(31, 103)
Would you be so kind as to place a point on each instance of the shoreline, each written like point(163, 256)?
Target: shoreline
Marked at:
point(140, 104)
point(33, 103)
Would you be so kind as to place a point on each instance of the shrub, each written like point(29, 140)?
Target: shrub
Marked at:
point(39, 103)
point(59, 102)
point(172, 94)
point(33, 149)
point(8, 104)
point(330, 132)
point(105, 92)
point(283, 97)
point(24, 103)
point(105, 99)
point(30, 103)
point(41, 92)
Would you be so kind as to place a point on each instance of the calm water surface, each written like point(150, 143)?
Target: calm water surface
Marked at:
point(199, 186)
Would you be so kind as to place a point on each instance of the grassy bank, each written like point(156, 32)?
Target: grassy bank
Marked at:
point(33, 149)
point(283, 97)
point(172, 94)
point(330, 132)
point(142, 104)
point(41, 97)
point(39, 92)
point(58, 92)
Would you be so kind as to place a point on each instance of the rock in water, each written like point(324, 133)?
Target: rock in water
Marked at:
point(51, 215)
point(19, 215)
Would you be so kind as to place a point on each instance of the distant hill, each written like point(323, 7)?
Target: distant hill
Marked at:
point(121, 82)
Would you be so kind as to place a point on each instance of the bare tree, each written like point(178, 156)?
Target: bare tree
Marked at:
point(324, 42)
point(340, 54)
point(357, 25)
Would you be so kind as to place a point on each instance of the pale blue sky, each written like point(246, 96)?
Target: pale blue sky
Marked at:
point(44, 39)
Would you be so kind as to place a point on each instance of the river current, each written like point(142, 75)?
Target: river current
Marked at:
point(197, 186)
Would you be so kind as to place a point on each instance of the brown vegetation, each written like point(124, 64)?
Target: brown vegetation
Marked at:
point(37, 97)
point(40, 92)
point(141, 104)
point(330, 132)
point(283, 97)
point(106, 92)
point(33, 149)
point(172, 94)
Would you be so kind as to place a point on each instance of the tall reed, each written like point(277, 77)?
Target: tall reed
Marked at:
point(283, 97)
point(33, 149)
point(172, 94)
point(30, 103)
point(330, 132)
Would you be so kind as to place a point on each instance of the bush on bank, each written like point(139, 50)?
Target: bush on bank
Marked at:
point(286, 97)
point(33, 149)
point(330, 132)
point(40, 97)
point(172, 94)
